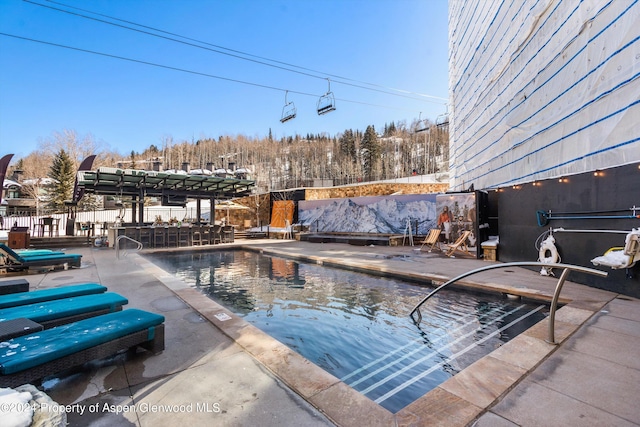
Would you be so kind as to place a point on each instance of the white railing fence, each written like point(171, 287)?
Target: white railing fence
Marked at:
point(100, 217)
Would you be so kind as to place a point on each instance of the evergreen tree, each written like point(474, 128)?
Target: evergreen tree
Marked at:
point(391, 129)
point(348, 145)
point(63, 174)
point(370, 152)
point(89, 202)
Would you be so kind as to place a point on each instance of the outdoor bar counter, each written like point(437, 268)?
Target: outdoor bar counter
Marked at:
point(170, 236)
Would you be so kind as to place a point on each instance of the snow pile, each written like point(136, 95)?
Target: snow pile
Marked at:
point(613, 259)
point(15, 410)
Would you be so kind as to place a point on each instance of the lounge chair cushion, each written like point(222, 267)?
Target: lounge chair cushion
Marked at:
point(58, 258)
point(26, 253)
point(65, 307)
point(51, 256)
point(39, 260)
point(32, 350)
point(23, 298)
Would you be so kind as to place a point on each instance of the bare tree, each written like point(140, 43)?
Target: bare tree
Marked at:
point(77, 147)
point(276, 163)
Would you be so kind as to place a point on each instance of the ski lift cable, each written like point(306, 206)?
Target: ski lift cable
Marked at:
point(168, 67)
point(236, 53)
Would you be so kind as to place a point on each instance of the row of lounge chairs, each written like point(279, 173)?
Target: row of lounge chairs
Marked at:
point(46, 331)
point(13, 260)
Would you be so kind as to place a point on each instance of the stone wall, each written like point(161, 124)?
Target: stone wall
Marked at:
point(375, 189)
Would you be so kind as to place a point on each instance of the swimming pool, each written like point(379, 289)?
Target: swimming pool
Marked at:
point(357, 326)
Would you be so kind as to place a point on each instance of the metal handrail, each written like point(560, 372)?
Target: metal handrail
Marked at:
point(556, 295)
point(117, 245)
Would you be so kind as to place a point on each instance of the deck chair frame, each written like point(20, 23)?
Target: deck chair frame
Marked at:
point(432, 241)
point(460, 245)
point(15, 261)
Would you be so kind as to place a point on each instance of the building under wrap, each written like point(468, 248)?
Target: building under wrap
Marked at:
point(545, 112)
point(542, 89)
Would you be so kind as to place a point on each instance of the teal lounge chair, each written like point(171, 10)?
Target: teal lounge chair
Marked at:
point(25, 253)
point(24, 298)
point(32, 357)
point(66, 310)
point(12, 260)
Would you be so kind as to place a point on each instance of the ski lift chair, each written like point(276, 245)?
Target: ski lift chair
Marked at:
point(288, 111)
point(422, 125)
point(442, 120)
point(327, 102)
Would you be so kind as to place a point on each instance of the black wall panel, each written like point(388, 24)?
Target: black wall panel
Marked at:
point(586, 196)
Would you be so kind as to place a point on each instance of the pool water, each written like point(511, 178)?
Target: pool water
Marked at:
point(357, 326)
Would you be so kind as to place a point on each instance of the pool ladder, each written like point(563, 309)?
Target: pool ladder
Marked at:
point(416, 316)
point(139, 245)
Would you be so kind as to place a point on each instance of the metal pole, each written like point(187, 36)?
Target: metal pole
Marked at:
point(556, 295)
point(554, 305)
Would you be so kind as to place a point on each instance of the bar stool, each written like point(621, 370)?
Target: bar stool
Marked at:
point(145, 237)
point(184, 236)
point(159, 237)
point(172, 236)
point(206, 234)
point(196, 238)
point(216, 234)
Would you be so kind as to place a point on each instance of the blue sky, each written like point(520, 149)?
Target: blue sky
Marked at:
point(126, 105)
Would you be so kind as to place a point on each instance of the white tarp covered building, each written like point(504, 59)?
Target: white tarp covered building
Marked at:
point(542, 89)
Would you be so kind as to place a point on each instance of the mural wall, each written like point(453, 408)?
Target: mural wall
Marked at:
point(373, 214)
point(456, 214)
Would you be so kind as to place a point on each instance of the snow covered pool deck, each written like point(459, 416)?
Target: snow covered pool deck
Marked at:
point(201, 364)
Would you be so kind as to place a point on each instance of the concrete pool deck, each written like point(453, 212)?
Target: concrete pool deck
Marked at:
point(219, 370)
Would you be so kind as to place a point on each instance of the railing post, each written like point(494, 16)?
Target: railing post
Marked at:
point(554, 305)
point(117, 244)
point(567, 268)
